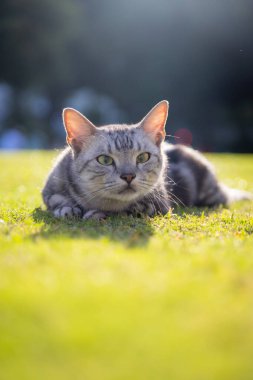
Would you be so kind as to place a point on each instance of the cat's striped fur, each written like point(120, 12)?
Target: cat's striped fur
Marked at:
point(79, 185)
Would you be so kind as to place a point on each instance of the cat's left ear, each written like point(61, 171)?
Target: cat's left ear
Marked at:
point(154, 122)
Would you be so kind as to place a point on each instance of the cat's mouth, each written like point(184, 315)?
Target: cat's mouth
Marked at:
point(128, 189)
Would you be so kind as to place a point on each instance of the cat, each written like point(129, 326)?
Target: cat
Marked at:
point(129, 169)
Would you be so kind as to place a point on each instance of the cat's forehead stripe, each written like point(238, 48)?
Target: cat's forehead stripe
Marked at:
point(109, 148)
point(122, 140)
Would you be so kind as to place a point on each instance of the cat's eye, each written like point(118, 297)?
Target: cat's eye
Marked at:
point(105, 160)
point(143, 157)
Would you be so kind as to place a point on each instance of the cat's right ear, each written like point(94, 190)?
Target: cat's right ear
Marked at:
point(78, 128)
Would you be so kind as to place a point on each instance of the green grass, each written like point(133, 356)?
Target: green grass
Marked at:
point(168, 298)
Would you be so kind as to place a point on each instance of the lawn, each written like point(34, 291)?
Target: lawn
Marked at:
point(124, 299)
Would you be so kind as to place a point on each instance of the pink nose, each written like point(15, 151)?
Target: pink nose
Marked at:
point(128, 177)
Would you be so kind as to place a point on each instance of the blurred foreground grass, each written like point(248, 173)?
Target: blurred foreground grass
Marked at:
point(168, 298)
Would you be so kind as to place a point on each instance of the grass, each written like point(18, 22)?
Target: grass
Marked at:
point(168, 298)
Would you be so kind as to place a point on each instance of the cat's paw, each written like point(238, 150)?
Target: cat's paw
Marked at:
point(140, 209)
point(67, 212)
point(94, 215)
point(150, 210)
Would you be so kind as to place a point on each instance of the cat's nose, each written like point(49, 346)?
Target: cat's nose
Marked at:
point(128, 177)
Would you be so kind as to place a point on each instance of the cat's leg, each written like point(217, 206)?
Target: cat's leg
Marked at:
point(153, 204)
point(140, 208)
point(56, 195)
point(62, 206)
point(94, 215)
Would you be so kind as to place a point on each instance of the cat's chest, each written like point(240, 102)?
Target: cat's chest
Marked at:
point(104, 204)
point(107, 204)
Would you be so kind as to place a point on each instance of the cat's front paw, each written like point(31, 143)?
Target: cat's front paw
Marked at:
point(142, 208)
point(67, 212)
point(94, 215)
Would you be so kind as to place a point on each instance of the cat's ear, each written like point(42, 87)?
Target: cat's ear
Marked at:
point(154, 122)
point(78, 128)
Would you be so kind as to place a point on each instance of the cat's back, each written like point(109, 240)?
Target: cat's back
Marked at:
point(178, 153)
point(190, 175)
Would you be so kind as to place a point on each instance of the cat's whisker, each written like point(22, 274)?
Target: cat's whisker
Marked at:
point(158, 196)
point(176, 183)
point(168, 178)
point(161, 199)
point(171, 195)
point(96, 193)
point(174, 199)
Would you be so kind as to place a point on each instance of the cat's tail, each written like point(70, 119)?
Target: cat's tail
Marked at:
point(235, 195)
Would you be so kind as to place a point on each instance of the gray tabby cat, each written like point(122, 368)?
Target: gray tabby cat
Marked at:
point(128, 168)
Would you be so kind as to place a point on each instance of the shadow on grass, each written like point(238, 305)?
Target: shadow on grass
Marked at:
point(125, 229)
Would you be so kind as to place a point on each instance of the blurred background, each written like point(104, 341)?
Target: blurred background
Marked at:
point(114, 59)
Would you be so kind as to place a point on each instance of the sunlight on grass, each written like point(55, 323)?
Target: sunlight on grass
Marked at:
point(163, 298)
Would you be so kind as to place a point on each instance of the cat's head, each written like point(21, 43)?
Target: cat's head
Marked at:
point(118, 162)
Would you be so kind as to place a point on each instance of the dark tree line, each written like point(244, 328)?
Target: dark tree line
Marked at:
point(196, 54)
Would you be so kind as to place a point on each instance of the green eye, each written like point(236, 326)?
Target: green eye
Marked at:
point(143, 157)
point(105, 160)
